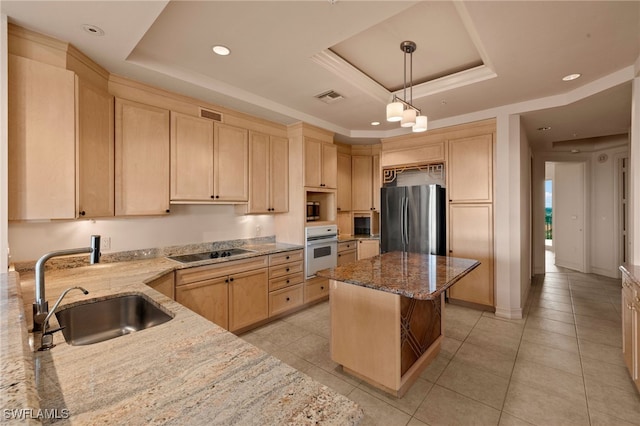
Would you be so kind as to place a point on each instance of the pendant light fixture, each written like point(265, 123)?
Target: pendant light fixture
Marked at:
point(400, 109)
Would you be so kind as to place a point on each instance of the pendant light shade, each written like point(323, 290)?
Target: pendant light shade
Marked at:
point(402, 110)
point(408, 118)
point(394, 111)
point(421, 124)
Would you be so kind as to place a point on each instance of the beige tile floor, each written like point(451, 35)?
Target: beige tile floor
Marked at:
point(559, 365)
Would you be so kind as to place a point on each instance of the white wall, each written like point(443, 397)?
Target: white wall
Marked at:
point(186, 224)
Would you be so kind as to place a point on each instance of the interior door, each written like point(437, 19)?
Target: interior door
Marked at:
point(569, 200)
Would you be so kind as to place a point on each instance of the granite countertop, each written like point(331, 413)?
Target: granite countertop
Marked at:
point(187, 370)
point(414, 275)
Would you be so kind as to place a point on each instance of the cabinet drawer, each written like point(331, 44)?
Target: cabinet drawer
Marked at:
point(346, 257)
point(286, 257)
point(286, 281)
point(199, 273)
point(286, 269)
point(283, 300)
point(346, 245)
point(316, 288)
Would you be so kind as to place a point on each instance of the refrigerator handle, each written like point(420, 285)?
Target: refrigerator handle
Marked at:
point(405, 214)
point(402, 220)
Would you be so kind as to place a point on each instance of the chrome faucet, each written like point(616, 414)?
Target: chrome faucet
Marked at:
point(41, 306)
point(45, 337)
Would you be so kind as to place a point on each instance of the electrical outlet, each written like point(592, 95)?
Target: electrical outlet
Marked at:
point(105, 243)
point(258, 230)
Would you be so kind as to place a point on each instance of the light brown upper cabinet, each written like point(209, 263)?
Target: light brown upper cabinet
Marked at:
point(95, 151)
point(41, 141)
point(320, 164)
point(344, 182)
point(231, 163)
point(209, 161)
point(365, 175)
point(142, 159)
point(268, 174)
point(470, 169)
point(191, 158)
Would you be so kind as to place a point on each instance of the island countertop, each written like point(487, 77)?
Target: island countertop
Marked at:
point(414, 275)
point(187, 370)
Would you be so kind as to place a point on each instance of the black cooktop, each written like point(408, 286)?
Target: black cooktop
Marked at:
point(197, 257)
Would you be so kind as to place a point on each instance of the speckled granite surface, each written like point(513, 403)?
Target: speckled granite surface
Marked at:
point(186, 371)
point(415, 275)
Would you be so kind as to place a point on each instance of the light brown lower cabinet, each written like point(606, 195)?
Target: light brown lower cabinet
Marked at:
point(285, 299)
point(165, 285)
point(248, 298)
point(630, 328)
point(232, 294)
point(316, 288)
point(368, 248)
point(347, 252)
point(207, 298)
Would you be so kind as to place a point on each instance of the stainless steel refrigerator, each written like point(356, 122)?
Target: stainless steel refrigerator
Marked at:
point(412, 219)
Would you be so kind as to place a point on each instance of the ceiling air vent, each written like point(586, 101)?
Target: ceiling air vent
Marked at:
point(211, 115)
point(330, 97)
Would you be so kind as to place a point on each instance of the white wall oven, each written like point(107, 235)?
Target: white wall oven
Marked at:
point(321, 248)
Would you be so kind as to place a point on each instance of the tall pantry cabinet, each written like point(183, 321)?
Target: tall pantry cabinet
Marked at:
point(470, 191)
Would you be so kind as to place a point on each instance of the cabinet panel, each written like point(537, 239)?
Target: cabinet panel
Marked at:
point(286, 269)
point(41, 141)
point(315, 289)
point(344, 182)
point(95, 117)
point(286, 281)
point(142, 159)
point(470, 236)
point(470, 169)
point(312, 162)
point(248, 298)
point(329, 165)
point(320, 164)
point(286, 257)
point(268, 174)
point(375, 182)
point(286, 299)
point(207, 298)
point(259, 170)
point(361, 174)
point(368, 248)
point(191, 158)
point(347, 257)
point(279, 174)
point(231, 163)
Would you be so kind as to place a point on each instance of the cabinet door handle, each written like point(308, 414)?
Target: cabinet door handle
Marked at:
point(227, 280)
point(287, 281)
point(168, 211)
point(231, 279)
point(287, 258)
point(288, 299)
point(631, 307)
point(287, 269)
point(321, 287)
point(213, 196)
point(82, 213)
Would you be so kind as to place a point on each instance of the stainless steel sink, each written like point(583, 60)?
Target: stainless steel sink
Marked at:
point(197, 257)
point(97, 321)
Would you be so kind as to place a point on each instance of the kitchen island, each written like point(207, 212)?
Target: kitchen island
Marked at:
point(185, 371)
point(386, 315)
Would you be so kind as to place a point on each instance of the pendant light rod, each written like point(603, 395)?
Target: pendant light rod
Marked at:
point(401, 109)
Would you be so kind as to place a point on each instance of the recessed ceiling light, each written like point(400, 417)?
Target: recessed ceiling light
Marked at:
point(571, 77)
point(221, 50)
point(575, 151)
point(93, 30)
point(544, 129)
point(375, 123)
